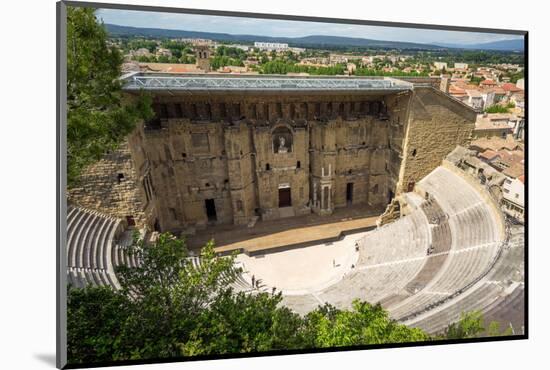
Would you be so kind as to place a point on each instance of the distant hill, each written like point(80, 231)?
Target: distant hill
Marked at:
point(314, 40)
point(504, 45)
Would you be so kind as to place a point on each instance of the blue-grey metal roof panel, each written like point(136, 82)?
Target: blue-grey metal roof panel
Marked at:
point(259, 82)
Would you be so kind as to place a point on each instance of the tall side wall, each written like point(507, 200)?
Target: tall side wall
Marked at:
point(114, 185)
point(436, 125)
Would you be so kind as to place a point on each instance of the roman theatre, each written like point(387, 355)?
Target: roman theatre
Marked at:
point(327, 188)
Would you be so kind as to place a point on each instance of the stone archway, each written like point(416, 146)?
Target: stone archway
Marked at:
point(282, 140)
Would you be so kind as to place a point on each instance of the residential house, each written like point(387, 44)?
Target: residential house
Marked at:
point(513, 197)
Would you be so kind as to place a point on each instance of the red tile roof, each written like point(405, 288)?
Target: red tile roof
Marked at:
point(170, 67)
point(454, 90)
point(489, 154)
point(510, 87)
point(487, 82)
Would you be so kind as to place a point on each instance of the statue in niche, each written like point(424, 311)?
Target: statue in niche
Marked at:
point(282, 140)
point(282, 148)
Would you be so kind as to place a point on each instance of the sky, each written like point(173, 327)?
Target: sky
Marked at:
point(282, 28)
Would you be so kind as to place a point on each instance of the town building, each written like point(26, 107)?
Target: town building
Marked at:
point(277, 46)
point(440, 65)
point(521, 83)
point(162, 52)
point(513, 197)
point(198, 41)
point(475, 99)
point(508, 191)
point(489, 125)
point(141, 52)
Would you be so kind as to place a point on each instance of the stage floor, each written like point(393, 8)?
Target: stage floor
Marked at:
point(286, 233)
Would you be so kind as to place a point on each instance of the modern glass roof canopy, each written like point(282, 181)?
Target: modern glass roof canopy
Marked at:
point(136, 81)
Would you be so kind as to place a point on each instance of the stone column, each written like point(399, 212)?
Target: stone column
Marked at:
point(329, 197)
point(322, 197)
point(314, 193)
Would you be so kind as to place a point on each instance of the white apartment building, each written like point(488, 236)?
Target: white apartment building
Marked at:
point(271, 46)
point(513, 197)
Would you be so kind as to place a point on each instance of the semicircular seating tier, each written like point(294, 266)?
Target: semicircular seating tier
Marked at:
point(440, 259)
point(90, 245)
point(500, 295)
point(97, 244)
point(448, 255)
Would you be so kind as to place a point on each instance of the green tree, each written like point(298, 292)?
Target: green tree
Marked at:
point(244, 323)
point(97, 117)
point(476, 80)
point(163, 59)
point(155, 307)
point(167, 307)
point(95, 320)
point(493, 330)
point(364, 324)
point(470, 325)
point(498, 109)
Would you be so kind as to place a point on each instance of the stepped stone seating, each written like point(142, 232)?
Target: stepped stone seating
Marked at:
point(441, 232)
point(440, 245)
point(463, 267)
point(479, 298)
point(474, 240)
point(426, 260)
point(509, 310)
point(372, 283)
point(425, 275)
point(96, 246)
point(302, 304)
point(121, 255)
point(393, 299)
point(500, 297)
point(90, 236)
point(453, 193)
point(510, 266)
point(405, 238)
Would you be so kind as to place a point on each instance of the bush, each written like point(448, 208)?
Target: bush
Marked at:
point(497, 109)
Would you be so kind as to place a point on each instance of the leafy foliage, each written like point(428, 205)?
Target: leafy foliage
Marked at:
point(471, 325)
point(222, 61)
point(97, 118)
point(499, 108)
point(377, 72)
point(278, 66)
point(515, 76)
point(364, 324)
point(231, 52)
point(95, 321)
point(167, 307)
point(476, 80)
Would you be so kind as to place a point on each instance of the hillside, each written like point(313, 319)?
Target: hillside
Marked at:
point(306, 41)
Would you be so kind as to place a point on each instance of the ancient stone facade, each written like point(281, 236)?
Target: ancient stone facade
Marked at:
point(436, 125)
point(229, 158)
point(116, 185)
